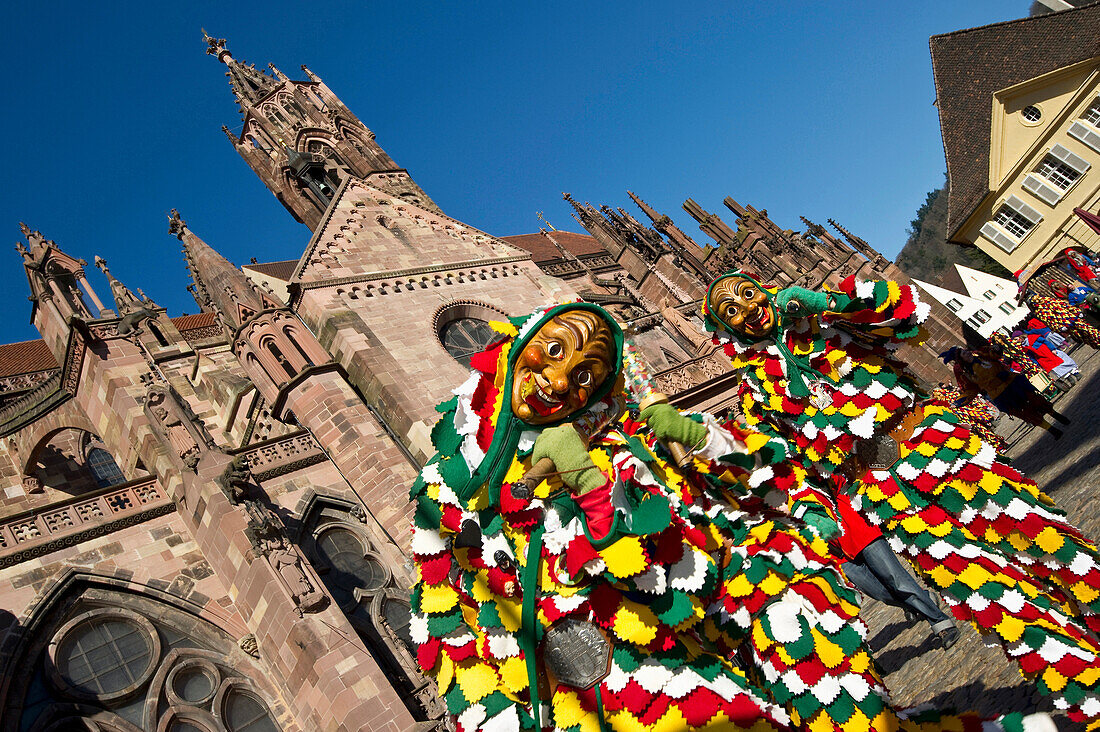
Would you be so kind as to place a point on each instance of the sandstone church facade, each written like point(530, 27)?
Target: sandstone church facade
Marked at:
point(204, 520)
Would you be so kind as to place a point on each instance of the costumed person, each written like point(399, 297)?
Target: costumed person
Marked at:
point(977, 412)
point(1061, 317)
point(820, 368)
point(570, 576)
point(982, 373)
point(1012, 351)
point(1081, 296)
point(1045, 346)
point(871, 565)
point(1082, 267)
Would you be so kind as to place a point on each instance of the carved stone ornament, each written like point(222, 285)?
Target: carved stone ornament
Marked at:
point(248, 645)
point(236, 480)
point(265, 533)
point(31, 484)
point(168, 417)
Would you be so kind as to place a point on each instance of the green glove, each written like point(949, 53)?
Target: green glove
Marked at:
point(668, 424)
point(798, 301)
point(823, 526)
point(563, 444)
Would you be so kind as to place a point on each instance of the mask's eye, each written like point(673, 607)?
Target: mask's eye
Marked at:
point(748, 293)
point(583, 377)
point(554, 349)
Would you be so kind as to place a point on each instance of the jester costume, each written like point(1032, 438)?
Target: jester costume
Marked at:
point(1014, 352)
point(1061, 317)
point(978, 413)
point(683, 570)
point(820, 369)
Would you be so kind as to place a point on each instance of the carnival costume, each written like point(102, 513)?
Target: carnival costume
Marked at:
point(982, 373)
point(820, 368)
point(977, 412)
point(683, 569)
point(1061, 317)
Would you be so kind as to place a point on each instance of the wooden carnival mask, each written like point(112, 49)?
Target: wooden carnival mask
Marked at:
point(561, 366)
point(743, 306)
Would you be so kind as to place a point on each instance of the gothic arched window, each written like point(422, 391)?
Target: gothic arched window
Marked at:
point(104, 468)
point(351, 568)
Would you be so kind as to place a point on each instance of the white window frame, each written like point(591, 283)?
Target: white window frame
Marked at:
point(1044, 186)
point(1085, 129)
point(954, 305)
point(1002, 237)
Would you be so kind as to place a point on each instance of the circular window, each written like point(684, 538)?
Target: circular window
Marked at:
point(463, 329)
point(465, 337)
point(350, 568)
point(192, 682)
point(103, 654)
point(243, 712)
point(1031, 113)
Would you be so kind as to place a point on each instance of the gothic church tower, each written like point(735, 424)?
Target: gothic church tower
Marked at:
point(394, 289)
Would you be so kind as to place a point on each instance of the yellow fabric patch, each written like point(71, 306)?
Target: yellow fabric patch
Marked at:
point(772, 585)
point(739, 586)
point(477, 681)
point(437, 598)
point(567, 709)
point(941, 575)
point(636, 624)
point(1084, 592)
point(830, 653)
point(974, 576)
point(445, 675)
point(1053, 679)
point(1049, 540)
point(503, 326)
point(1011, 628)
point(625, 557)
point(513, 674)
point(510, 610)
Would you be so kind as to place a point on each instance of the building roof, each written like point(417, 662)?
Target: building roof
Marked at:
point(969, 66)
point(543, 251)
point(192, 322)
point(25, 357)
point(279, 270)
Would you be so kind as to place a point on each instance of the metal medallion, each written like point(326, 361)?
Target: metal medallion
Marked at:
point(576, 653)
point(879, 452)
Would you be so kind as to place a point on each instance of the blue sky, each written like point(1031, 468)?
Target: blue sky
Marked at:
point(813, 108)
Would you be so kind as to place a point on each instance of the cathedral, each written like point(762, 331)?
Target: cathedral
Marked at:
point(205, 521)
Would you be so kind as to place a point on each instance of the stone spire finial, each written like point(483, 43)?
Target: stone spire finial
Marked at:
point(226, 289)
point(248, 83)
point(124, 299)
point(214, 46)
point(176, 225)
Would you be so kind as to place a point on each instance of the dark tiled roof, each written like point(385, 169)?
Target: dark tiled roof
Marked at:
point(543, 251)
point(193, 322)
point(279, 270)
point(968, 66)
point(25, 357)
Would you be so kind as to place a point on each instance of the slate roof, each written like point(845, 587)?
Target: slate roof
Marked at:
point(969, 65)
point(279, 270)
point(543, 251)
point(25, 357)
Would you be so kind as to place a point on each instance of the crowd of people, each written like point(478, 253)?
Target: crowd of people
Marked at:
point(591, 558)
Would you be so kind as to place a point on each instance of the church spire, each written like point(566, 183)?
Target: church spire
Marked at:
point(249, 84)
point(218, 284)
point(125, 300)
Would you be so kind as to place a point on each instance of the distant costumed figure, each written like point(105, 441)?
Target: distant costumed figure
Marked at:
point(982, 373)
point(1062, 317)
point(1013, 351)
point(977, 412)
point(571, 577)
point(819, 367)
point(1082, 266)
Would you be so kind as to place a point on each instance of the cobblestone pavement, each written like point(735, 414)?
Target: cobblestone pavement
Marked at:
point(971, 675)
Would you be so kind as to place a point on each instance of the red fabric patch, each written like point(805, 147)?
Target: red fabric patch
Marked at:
point(435, 570)
point(486, 361)
point(428, 653)
point(579, 551)
point(699, 707)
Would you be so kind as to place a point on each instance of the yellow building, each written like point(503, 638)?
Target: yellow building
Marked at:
point(1019, 106)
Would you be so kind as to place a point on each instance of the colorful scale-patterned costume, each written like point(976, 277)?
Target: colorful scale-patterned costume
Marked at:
point(978, 531)
point(1064, 318)
point(977, 413)
point(698, 565)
